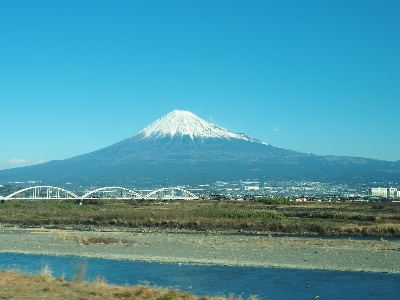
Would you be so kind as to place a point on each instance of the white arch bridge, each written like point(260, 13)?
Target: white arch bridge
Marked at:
point(114, 192)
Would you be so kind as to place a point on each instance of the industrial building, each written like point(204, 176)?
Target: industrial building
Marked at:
point(384, 192)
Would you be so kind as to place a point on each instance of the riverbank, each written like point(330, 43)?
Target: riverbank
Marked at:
point(43, 286)
point(362, 255)
point(265, 215)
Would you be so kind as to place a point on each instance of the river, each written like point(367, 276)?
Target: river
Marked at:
point(266, 283)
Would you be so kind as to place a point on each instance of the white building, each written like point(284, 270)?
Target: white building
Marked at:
point(391, 192)
point(383, 192)
point(251, 188)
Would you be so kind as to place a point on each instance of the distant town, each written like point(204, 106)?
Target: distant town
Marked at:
point(253, 189)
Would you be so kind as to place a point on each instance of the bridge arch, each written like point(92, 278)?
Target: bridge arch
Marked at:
point(42, 192)
point(114, 192)
point(175, 193)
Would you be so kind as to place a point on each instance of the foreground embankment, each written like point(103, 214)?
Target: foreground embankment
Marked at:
point(364, 255)
point(45, 287)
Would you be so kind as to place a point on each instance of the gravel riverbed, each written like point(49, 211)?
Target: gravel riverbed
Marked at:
point(233, 249)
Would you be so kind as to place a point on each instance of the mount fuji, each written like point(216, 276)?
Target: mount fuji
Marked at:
point(181, 148)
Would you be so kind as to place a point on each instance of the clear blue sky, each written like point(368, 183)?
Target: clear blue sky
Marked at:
point(317, 76)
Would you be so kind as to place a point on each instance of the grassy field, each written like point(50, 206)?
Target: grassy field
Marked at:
point(14, 285)
point(268, 215)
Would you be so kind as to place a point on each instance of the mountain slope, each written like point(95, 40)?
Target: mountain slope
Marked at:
point(182, 148)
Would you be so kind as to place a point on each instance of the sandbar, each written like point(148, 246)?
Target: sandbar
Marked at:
point(211, 248)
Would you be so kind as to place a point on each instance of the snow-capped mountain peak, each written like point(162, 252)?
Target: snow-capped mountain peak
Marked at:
point(179, 123)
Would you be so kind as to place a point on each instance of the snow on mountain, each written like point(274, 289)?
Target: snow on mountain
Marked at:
point(179, 123)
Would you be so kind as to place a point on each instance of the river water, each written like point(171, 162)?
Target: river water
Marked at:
point(266, 283)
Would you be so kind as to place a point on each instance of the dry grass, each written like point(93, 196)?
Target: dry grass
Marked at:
point(368, 219)
point(14, 285)
point(101, 240)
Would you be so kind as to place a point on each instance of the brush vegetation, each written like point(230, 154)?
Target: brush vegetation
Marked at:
point(267, 215)
point(14, 285)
